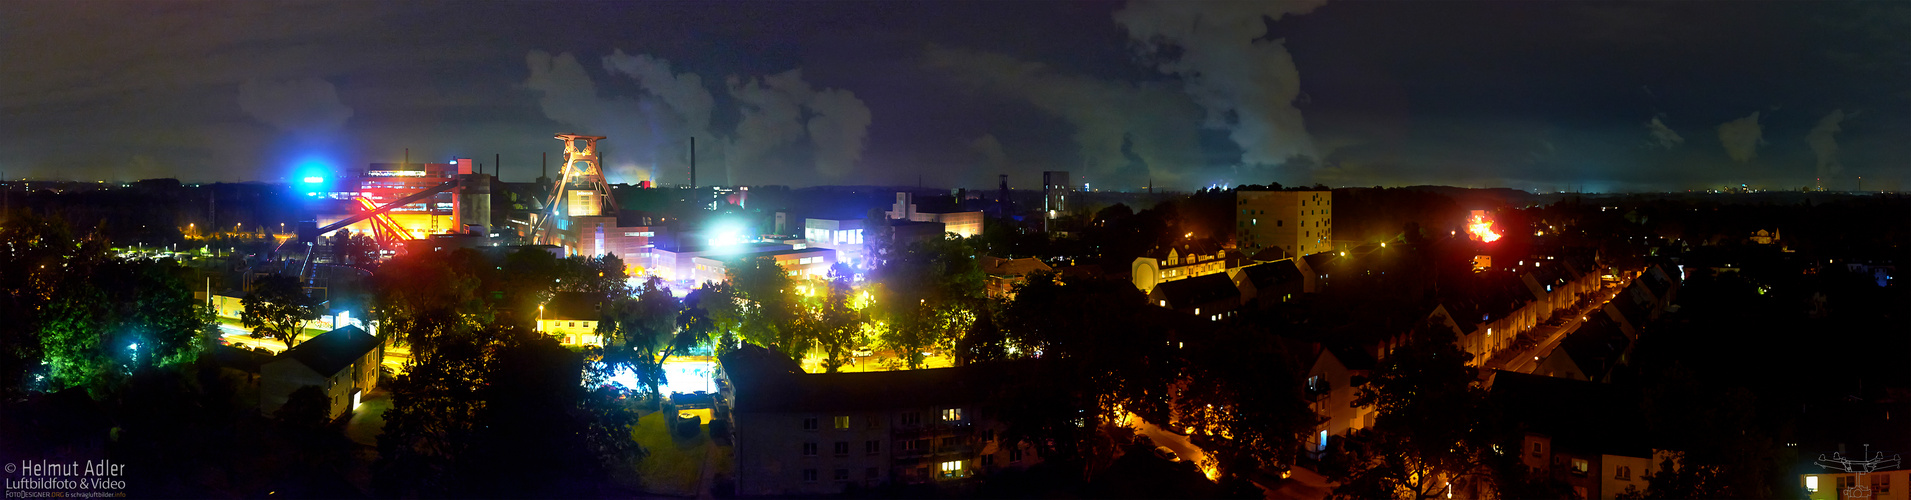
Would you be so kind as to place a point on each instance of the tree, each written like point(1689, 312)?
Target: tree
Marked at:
point(1242, 396)
point(1102, 357)
point(714, 313)
point(838, 326)
point(77, 316)
point(983, 343)
point(278, 308)
point(1432, 425)
point(645, 332)
point(769, 305)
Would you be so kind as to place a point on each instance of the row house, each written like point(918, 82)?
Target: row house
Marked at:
point(1179, 262)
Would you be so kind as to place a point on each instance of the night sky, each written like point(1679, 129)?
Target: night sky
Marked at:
point(1533, 95)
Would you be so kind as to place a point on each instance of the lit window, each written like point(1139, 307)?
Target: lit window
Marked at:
point(951, 414)
point(952, 468)
point(1579, 466)
point(842, 421)
point(1811, 484)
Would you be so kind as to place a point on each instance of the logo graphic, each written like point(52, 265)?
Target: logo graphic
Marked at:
point(1866, 464)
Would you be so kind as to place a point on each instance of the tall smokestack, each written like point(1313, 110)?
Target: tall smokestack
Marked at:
point(693, 162)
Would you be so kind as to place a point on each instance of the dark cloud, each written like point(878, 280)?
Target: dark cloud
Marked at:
point(1534, 95)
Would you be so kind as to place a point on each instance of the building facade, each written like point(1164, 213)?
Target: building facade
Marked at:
point(383, 183)
point(1177, 264)
point(963, 224)
point(571, 318)
point(343, 363)
point(823, 434)
point(1296, 222)
point(845, 236)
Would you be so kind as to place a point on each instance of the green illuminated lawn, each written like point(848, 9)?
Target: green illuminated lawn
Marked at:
point(675, 465)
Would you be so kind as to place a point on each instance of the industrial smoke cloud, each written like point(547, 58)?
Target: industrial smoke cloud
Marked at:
point(1824, 143)
point(651, 132)
point(773, 116)
point(1126, 133)
point(306, 107)
point(1246, 84)
point(1741, 137)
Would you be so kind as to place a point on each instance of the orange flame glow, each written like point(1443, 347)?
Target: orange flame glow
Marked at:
point(1481, 229)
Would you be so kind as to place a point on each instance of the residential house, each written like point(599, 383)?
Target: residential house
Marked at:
point(1588, 353)
point(1005, 274)
point(1212, 296)
point(344, 363)
point(1178, 263)
point(1587, 435)
point(1270, 283)
point(1333, 380)
point(572, 318)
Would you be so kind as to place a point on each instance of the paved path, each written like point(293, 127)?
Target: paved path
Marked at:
point(709, 470)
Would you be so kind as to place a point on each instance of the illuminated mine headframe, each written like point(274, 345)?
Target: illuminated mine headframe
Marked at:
point(580, 189)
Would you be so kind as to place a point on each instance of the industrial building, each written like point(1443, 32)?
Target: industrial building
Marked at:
point(960, 223)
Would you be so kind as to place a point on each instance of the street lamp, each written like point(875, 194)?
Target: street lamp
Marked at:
point(540, 317)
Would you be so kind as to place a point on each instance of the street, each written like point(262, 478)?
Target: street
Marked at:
point(1527, 361)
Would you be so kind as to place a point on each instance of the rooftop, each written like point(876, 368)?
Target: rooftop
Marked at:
point(332, 351)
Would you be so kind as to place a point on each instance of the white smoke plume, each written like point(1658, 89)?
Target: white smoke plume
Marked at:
point(649, 134)
point(1247, 84)
point(677, 107)
point(1824, 143)
point(1742, 137)
point(1663, 136)
point(570, 97)
point(839, 129)
point(1117, 124)
point(683, 92)
point(991, 151)
point(773, 117)
point(306, 107)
